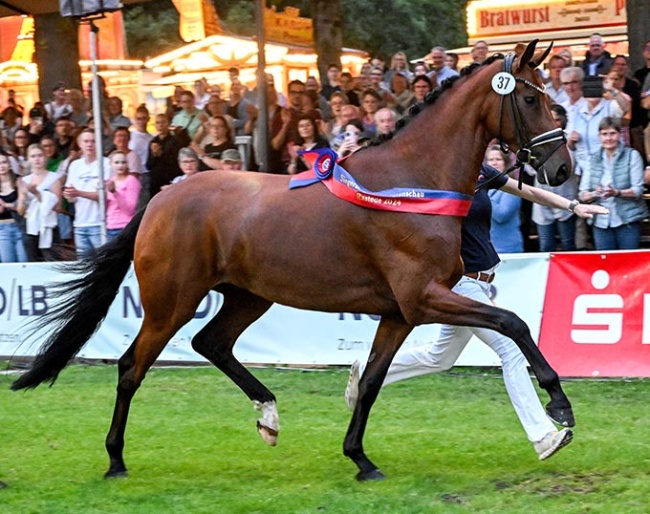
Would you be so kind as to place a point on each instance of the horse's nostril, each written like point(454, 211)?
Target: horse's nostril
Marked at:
point(562, 173)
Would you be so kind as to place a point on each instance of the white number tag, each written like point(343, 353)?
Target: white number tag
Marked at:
point(503, 83)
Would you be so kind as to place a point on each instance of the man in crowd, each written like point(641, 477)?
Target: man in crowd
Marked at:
point(115, 116)
point(385, 119)
point(82, 189)
point(638, 117)
point(188, 120)
point(162, 162)
point(333, 79)
point(58, 106)
point(480, 51)
point(237, 107)
point(347, 86)
point(231, 160)
point(63, 136)
point(597, 61)
point(554, 88)
point(439, 70)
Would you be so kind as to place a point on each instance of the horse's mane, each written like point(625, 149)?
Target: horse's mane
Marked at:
point(431, 97)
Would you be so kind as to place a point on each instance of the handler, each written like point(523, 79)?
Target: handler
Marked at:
point(481, 260)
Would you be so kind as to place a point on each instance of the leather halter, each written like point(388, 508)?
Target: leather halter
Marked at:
point(524, 154)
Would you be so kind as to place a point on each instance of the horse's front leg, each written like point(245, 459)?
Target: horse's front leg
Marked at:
point(389, 337)
point(440, 305)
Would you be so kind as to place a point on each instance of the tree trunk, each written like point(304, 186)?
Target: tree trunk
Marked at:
point(638, 31)
point(56, 43)
point(328, 34)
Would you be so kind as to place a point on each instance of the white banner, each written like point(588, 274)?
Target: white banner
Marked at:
point(282, 336)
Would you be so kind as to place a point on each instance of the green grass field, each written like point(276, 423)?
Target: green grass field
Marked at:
point(447, 444)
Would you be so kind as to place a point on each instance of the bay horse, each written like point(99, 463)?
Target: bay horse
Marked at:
point(251, 238)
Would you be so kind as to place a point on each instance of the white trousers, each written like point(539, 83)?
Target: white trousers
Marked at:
point(441, 355)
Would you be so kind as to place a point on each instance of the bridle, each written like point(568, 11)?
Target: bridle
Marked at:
point(525, 143)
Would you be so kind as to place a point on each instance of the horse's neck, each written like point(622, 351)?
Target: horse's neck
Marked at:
point(440, 148)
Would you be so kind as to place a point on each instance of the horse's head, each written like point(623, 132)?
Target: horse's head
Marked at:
point(525, 124)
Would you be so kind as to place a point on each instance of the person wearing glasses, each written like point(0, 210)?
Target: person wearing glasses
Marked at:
point(480, 51)
point(287, 134)
point(218, 137)
point(189, 164)
point(571, 80)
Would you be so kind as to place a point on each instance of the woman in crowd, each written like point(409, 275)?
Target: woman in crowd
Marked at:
point(189, 164)
point(399, 86)
point(52, 158)
point(308, 139)
point(19, 150)
point(220, 136)
point(398, 64)
point(451, 60)
point(42, 190)
point(354, 137)
point(506, 231)
point(420, 68)
point(614, 180)
point(557, 222)
point(11, 125)
point(122, 192)
point(421, 86)
point(370, 103)
point(334, 126)
point(613, 84)
point(12, 246)
point(78, 103)
point(215, 106)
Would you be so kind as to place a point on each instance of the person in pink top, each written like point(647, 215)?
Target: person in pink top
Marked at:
point(122, 192)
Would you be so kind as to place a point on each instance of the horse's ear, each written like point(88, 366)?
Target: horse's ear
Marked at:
point(540, 57)
point(527, 55)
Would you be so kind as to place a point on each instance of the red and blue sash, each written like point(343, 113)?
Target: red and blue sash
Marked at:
point(325, 169)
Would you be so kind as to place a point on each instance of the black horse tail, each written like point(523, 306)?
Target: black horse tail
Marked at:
point(82, 306)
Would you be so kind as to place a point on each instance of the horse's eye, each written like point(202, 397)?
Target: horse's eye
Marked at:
point(530, 100)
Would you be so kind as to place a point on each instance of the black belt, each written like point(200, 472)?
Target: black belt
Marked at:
point(482, 277)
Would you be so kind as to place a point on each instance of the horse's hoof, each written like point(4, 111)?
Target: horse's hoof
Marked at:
point(269, 435)
point(374, 475)
point(562, 417)
point(116, 474)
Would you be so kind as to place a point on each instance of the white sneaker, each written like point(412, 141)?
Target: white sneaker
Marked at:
point(352, 389)
point(552, 442)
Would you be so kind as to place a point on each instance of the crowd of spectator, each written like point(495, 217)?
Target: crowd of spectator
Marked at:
point(49, 180)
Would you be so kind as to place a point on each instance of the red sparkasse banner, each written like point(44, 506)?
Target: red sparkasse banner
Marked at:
point(596, 318)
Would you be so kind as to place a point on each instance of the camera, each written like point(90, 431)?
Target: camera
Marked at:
point(353, 137)
point(83, 8)
point(592, 87)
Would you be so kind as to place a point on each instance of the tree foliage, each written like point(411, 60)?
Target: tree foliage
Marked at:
point(376, 26)
point(151, 29)
point(412, 26)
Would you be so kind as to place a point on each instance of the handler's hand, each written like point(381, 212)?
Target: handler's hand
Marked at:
point(587, 210)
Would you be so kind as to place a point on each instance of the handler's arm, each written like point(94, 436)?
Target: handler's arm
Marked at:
point(550, 199)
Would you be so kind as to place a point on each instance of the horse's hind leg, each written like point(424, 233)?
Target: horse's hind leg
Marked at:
point(132, 368)
point(390, 336)
point(166, 310)
point(216, 341)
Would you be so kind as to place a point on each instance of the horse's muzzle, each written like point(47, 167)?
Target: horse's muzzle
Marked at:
point(560, 176)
